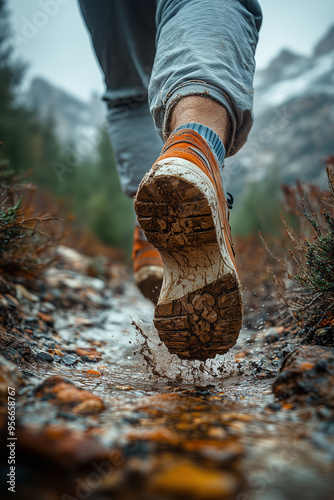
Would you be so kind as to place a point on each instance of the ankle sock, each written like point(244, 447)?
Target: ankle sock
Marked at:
point(210, 137)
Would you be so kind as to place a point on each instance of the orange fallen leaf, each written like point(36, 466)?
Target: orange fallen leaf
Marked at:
point(47, 318)
point(92, 373)
point(306, 365)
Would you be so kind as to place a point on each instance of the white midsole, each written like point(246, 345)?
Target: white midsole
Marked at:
point(147, 272)
point(184, 275)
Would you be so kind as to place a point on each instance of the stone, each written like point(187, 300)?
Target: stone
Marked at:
point(70, 359)
point(9, 377)
point(44, 357)
point(47, 318)
point(68, 397)
point(14, 349)
point(307, 376)
point(88, 353)
point(12, 355)
point(66, 447)
point(275, 406)
point(189, 480)
point(22, 292)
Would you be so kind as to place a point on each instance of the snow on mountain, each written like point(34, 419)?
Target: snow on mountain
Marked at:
point(294, 120)
point(297, 80)
point(76, 121)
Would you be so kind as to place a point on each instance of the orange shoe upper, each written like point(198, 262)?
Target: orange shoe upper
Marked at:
point(143, 253)
point(190, 145)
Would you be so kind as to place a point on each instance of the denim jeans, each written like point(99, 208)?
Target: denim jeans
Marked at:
point(154, 52)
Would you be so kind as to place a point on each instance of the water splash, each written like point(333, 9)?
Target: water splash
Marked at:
point(159, 363)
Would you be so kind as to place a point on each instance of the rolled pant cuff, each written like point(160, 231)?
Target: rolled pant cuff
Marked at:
point(202, 89)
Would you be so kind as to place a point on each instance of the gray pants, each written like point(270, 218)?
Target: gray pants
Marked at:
point(154, 52)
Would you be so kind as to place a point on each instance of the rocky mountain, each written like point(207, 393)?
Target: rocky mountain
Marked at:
point(294, 120)
point(75, 120)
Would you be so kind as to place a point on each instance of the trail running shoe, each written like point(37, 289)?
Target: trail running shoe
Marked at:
point(181, 207)
point(147, 266)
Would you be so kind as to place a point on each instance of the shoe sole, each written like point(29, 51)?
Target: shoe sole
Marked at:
point(149, 280)
point(199, 312)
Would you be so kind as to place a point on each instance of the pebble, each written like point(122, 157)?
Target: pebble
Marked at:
point(12, 355)
point(47, 318)
point(9, 377)
point(68, 396)
point(69, 359)
point(44, 357)
point(195, 482)
point(47, 307)
point(324, 412)
point(22, 292)
point(275, 406)
point(32, 320)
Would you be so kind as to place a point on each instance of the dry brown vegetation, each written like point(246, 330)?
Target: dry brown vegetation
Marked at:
point(305, 279)
point(27, 238)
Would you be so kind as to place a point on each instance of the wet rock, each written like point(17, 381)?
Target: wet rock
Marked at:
point(56, 351)
point(47, 307)
point(324, 412)
point(46, 318)
point(9, 377)
point(159, 435)
point(31, 320)
point(219, 447)
point(68, 397)
point(307, 376)
point(59, 278)
point(95, 298)
point(6, 286)
point(11, 301)
point(63, 446)
point(72, 259)
point(22, 292)
point(325, 336)
point(44, 357)
point(275, 406)
point(88, 354)
point(9, 314)
point(14, 349)
point(69, 359)
point(189, 480)
point(12, 355)
point(271, 335)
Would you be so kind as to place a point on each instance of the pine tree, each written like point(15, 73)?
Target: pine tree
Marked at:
point(15, 135)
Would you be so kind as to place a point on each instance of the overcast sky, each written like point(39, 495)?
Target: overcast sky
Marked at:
point(57, 46)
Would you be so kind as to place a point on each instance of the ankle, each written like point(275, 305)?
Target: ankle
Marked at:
point(204, 111)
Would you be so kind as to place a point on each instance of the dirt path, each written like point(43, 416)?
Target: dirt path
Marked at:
point(103, 411)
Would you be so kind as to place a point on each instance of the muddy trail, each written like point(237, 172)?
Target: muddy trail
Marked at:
point(103, 411)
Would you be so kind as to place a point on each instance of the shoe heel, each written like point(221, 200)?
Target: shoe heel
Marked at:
point(203, 323)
